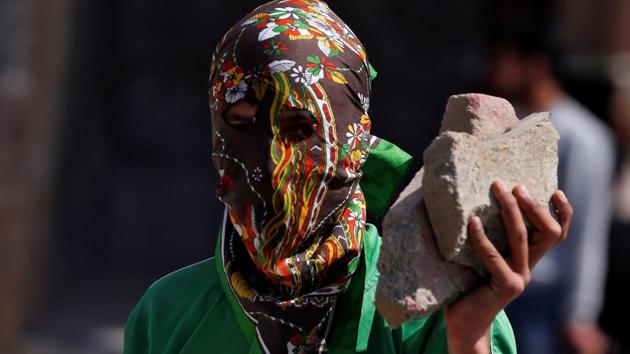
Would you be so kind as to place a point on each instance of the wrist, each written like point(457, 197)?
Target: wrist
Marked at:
point(468, 341)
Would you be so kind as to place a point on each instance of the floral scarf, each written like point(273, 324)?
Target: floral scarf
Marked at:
point(295, 209)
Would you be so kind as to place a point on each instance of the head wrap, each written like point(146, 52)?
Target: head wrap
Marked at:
point(296, 210)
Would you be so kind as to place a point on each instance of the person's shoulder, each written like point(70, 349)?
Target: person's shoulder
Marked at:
point(178, 292)
point(171, 308)
point(576, 122)
point(180, 288)
point(183, 285)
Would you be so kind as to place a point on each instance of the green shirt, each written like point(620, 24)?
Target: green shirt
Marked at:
point(193, 311)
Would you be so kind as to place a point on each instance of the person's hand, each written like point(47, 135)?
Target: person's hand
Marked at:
point(468, 320)
point(586, 338)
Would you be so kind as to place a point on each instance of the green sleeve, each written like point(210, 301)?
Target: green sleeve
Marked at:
point(502, 340)
point(136, 331)
point(167, 313)
point(184, 312)
point(429, 335)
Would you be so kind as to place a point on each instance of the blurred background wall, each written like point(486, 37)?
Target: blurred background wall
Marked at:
point(33, 52)
point(106, 182)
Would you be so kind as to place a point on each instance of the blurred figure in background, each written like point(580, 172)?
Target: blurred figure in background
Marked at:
point(559, 312)
point(620, 113)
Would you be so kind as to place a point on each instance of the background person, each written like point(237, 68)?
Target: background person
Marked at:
point(560, 310)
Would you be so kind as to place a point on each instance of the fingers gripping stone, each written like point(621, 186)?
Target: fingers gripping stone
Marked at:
point(426, 258)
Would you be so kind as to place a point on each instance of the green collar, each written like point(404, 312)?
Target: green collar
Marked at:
point(383, 172)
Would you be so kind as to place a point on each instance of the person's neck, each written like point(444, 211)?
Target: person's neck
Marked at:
point(544, 94)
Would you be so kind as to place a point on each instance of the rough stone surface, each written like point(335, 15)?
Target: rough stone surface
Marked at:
point(415, 279)
point(459, 171)
point(480, 115)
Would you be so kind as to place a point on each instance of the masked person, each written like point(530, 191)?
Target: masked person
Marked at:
point(294, 269)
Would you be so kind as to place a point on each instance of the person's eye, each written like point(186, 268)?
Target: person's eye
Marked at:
point(239, 122)
point(296, 125)
point(241, 115)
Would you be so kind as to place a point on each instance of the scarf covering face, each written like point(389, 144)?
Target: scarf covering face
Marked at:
point(296, 211)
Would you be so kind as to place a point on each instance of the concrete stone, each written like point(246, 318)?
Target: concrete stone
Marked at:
point(480, 115)
point(415, 279)
point(460, 169)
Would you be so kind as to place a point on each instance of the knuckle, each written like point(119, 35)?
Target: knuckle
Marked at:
point(494, 256)
point(539, 209)
point(555, 230)
point(521, 232)
point(569, 209)
point(566, 212)
point(514, 287)
point(510, 202)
